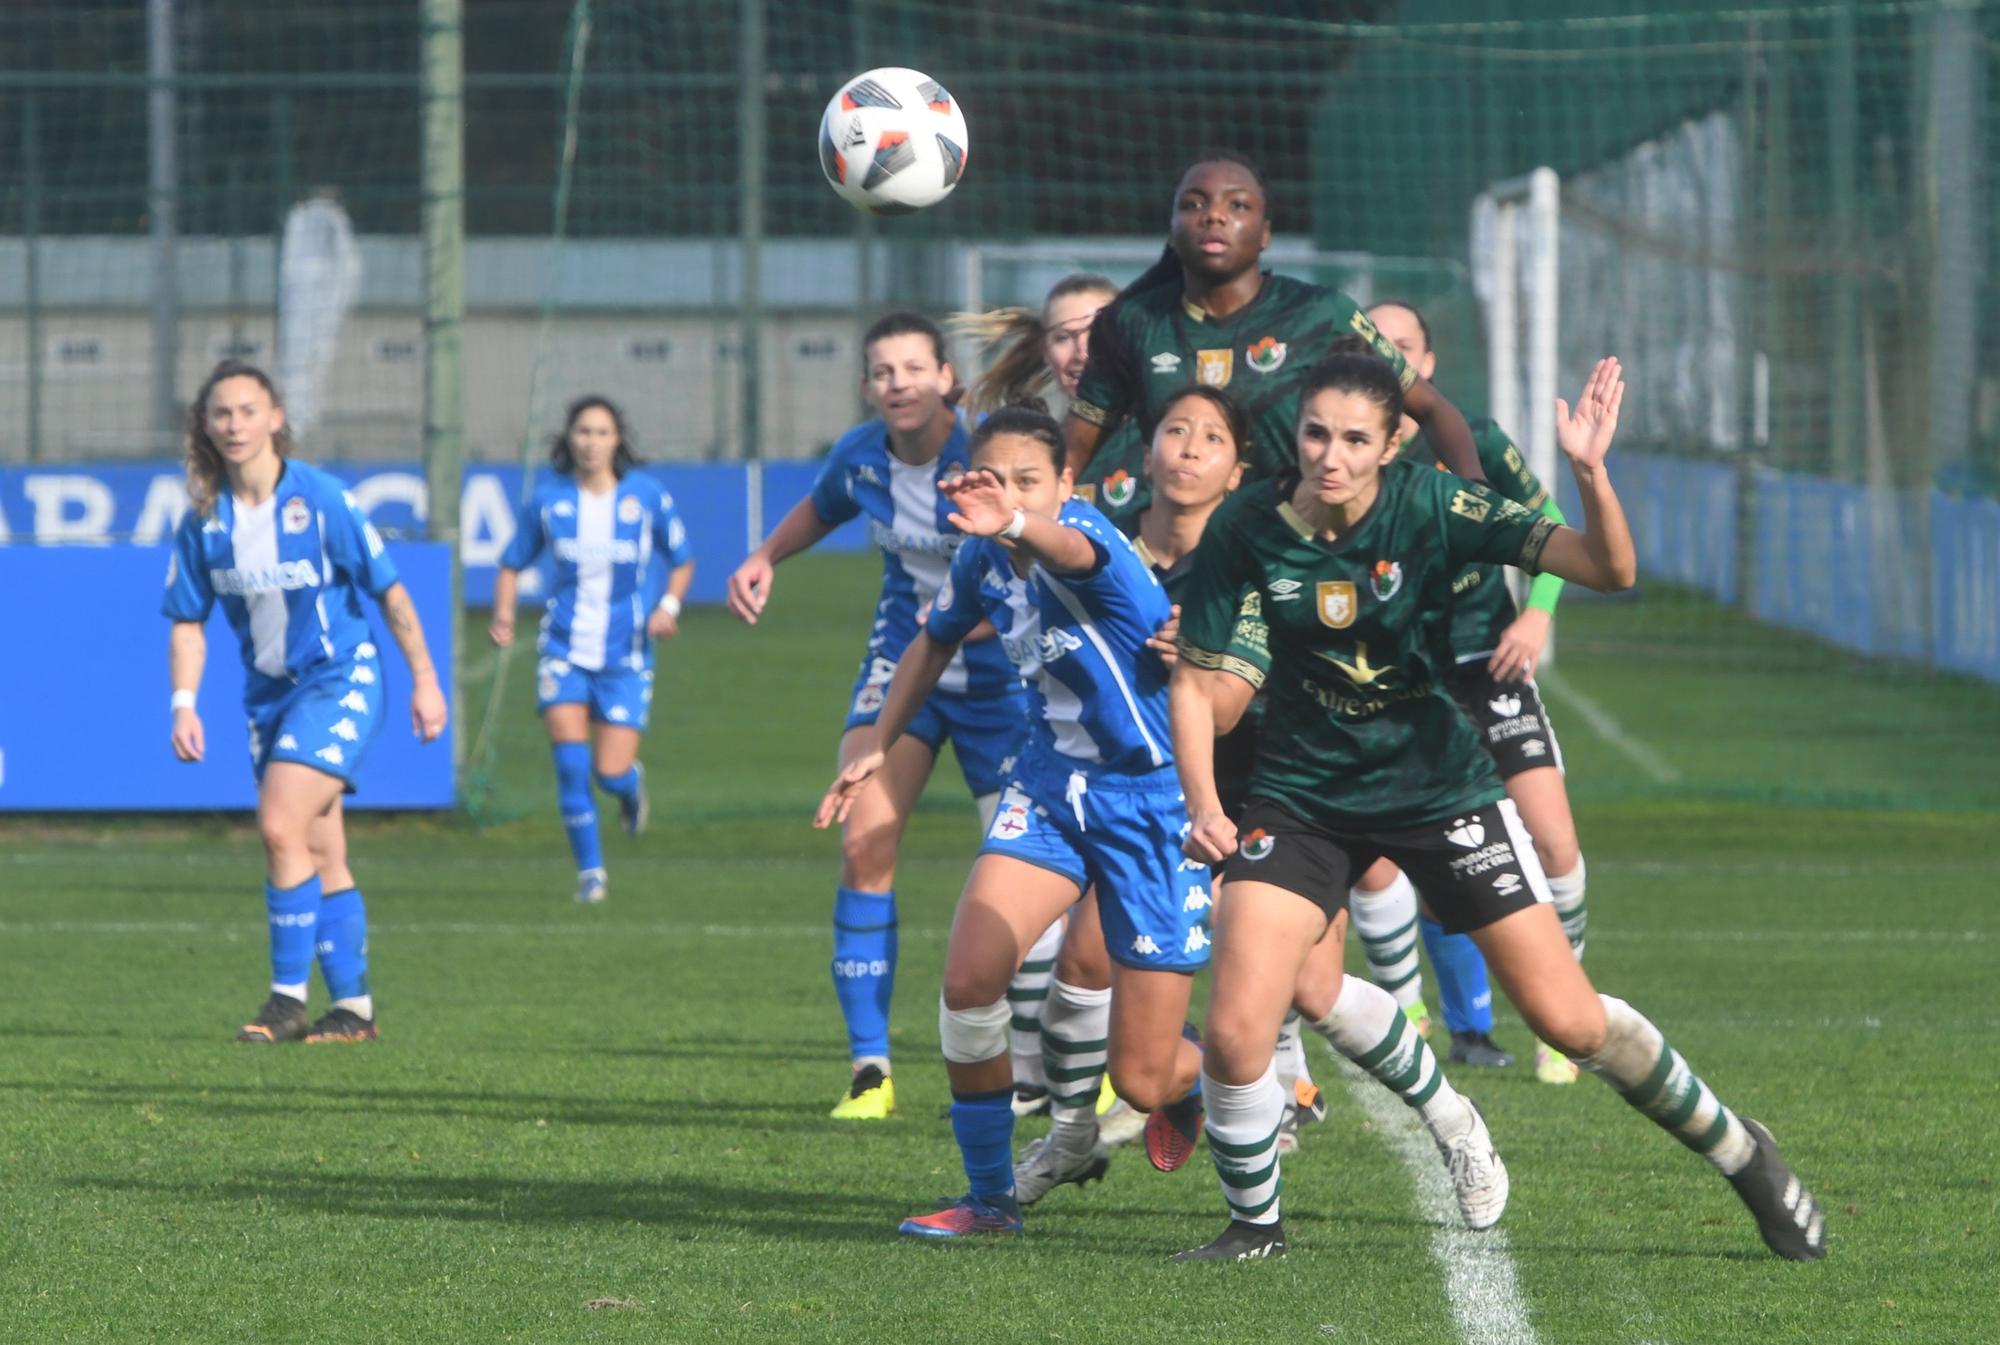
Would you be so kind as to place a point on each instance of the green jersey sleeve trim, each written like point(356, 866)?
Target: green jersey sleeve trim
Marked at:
point(1223, 662)
point(1547, 588)
point(1084, 411)
point(1531, 550)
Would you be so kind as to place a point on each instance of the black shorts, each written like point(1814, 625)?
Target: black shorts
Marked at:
point(1510, 717)
point(1472, 869)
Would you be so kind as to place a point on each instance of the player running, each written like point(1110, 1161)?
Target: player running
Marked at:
point(1092, 800)
point(1195, 463)
point(288, 554)
point(1365, 756)
point(1206, 312)
point(888, 469)
point(1494, 648)
point(604, 522)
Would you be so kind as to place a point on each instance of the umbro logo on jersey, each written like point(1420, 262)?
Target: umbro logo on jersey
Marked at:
point(1506, 705)
point(1465, 831)
point(1284, 590)
point(1166, 363)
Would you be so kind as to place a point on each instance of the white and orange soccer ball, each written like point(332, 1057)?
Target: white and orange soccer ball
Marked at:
point(892, 141)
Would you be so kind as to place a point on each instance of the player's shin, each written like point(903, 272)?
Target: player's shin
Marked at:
point(293, 913)
point(343, 950)
point(1571, 908)
point(1366, 1026)
point(1386, 921)
point(1242, 1124)
point(579, 810)
point(1637, 1061)
point(1027, 998)
point(864, 970)
point(982, 1119)
point(1076, 1032)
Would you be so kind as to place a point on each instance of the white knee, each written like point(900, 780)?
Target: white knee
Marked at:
point(970, 1036)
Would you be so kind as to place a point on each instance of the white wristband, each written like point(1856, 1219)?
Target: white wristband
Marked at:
point(1016, 526)
point(671, 605)
point(182, 700)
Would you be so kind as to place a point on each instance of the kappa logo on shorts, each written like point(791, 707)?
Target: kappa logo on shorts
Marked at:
point(354, 701)
point(296, 515)
point(365, 676)
point(287, 743)
point(618, 714)
point(1197, 898)
point(1465, 831)
point(1193, 866)
point(343, 730)
point(1145, 947)
point(1197, 939)
point(1507, 882)
point(1257, 845)
point(331, 754)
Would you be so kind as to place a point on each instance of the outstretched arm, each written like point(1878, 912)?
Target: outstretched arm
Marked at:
point(917, 674)
point(750, 586)
point(980, 509)
point(427, 707)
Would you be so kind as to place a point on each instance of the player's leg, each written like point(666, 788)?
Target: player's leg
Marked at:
point(342, 935)
point(290, 796)
point(1006, 904)
point(864, 916)
point(562, 694)
point(1085, 963)
point(1027, 1001)
point(1262, 936)
point(621, 702)
point(1384, 904)
point(1543, 802)
point(1076, 1044)
point(1525, 945)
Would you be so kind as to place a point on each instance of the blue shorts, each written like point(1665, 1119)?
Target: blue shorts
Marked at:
point(621, 696)
point(985, 731)
point(1124, 836)
point(325, 722)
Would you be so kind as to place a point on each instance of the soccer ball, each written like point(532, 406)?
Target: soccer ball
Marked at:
point(892, 141)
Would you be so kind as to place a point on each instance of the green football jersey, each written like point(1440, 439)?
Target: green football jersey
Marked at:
point(1145, 347)
point(1248, 647)
point(1115, 478)
point(1359, 734)
point(1482, 608)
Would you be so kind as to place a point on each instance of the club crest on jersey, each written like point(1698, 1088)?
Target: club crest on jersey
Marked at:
point(1166, 362)
point(1213, 368)
point(1336, 603)
point(629, 510)
point(1386, 579)
point(1257, 845)
point(1267, 355)
point(295, 515)
point(1119, 488)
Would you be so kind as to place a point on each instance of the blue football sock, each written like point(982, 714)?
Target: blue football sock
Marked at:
point(294, 916)
point(579, 809)
point(864, 967)
point(624, 788)
point(343, 944)
point(1464, 996)
point(983, 1124)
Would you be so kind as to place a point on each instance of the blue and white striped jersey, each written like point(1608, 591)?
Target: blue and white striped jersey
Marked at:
point(603, 546)
point(1099, 696)
point(290, 573)
point(909, 519)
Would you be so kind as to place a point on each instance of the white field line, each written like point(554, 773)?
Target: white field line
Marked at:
point(1478, 1272)
point(1607, 727)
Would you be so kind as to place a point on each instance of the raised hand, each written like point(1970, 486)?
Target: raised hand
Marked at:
point(979, 502)
point(1586, 435)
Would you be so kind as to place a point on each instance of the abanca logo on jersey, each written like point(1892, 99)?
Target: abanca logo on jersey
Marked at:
point(620, 551)
point(284, 577)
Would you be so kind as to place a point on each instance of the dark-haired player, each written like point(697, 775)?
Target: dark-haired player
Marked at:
point(1208, 313)
point(1365, 756)
point(888, 469)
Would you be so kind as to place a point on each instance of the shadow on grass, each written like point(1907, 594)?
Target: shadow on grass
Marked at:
point(283, 1099)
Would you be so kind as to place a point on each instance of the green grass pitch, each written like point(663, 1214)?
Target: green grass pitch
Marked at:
point(609, 1124)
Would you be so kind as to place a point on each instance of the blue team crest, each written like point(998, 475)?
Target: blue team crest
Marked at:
point(629, 509)
point(295, 515)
